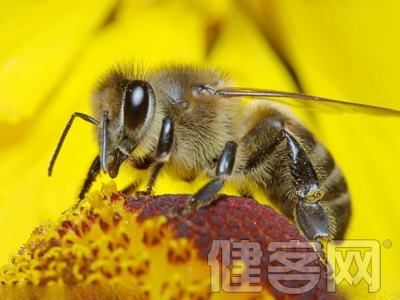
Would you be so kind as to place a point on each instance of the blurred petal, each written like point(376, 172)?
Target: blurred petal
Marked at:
point(38, 45)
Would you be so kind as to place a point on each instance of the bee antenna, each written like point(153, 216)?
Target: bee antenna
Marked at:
point(64, 135)
point(104, 142)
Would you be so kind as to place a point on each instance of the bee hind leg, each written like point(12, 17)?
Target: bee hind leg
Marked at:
point(308, 212)
point(207, 194)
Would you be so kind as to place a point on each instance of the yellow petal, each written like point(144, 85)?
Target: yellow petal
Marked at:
point(39, 44)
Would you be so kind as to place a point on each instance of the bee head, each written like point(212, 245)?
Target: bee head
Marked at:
point(127, 108)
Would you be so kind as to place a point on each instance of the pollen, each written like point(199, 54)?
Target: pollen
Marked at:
point(134, 248)
point(315, 195)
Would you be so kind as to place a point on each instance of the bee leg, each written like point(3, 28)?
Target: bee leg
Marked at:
point(309, 214)
point(208, 193)
point(163, 151)
point(93, 172)
point(143, 163)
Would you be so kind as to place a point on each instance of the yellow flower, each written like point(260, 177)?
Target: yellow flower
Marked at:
point(52, 52)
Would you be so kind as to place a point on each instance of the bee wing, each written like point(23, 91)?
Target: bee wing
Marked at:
point(302, 100)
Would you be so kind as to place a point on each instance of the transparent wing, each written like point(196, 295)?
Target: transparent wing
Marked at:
point(302, 100)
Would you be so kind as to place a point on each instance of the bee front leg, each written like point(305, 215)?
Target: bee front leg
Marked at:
point(93, 172)
point(208, 193)
point(163, 151)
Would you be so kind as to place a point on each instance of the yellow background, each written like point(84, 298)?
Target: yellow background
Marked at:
point(52, 52)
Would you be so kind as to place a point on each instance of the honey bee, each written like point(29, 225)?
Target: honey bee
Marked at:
point(188, 120)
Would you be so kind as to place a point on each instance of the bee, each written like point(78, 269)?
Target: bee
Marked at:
point(188, 121)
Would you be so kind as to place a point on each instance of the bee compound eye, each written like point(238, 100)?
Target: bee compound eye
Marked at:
point(138, 95)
